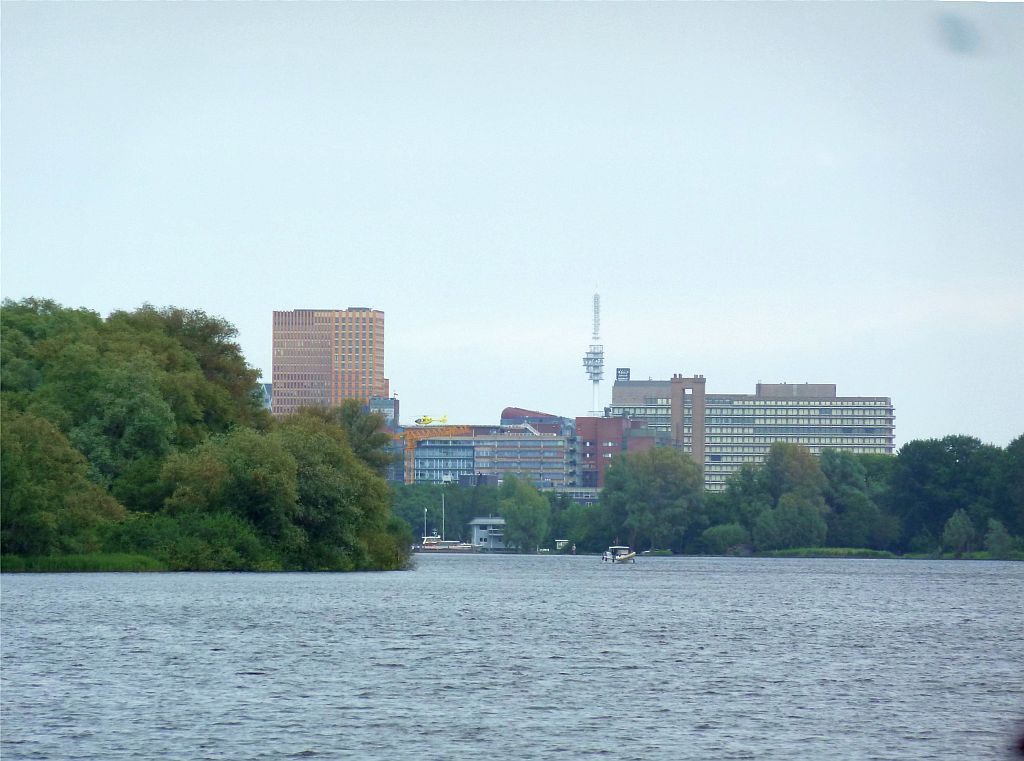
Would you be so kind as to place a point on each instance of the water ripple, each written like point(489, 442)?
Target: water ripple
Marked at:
point(525, 657)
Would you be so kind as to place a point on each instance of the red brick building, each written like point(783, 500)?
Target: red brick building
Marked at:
point(601, 438)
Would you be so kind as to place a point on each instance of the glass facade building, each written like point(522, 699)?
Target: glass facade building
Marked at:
point(545, 460)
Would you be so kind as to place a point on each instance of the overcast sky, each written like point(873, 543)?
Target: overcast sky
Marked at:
point(829, 193)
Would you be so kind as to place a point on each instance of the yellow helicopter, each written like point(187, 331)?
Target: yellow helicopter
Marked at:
point(427, 420)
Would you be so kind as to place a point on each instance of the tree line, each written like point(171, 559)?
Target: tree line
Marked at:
point(145, 433)
point(951, 496)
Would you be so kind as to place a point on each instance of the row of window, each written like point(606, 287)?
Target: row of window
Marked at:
point(797, 412)
point(491, 464)
point(811, 443)
point(732, 461)
point(742, 416)
point(836, 421)
point(870, 402)
point(516, 454)
point(440, 475)
point(734, 439)
point(816, 402)
point(487, 447)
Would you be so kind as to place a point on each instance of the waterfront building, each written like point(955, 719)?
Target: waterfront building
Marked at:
point(488, 533)
point(543, 459)
point(323, 356)
point(723, 432)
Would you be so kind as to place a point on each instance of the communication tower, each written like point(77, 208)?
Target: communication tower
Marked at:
point(593, 360)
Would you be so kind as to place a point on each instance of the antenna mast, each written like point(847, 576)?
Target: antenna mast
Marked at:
point(593, 360)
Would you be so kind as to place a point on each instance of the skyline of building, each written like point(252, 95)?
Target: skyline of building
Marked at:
point(323, 356)
point(732, 430)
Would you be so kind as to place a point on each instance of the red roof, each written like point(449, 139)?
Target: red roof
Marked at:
point(514, 412)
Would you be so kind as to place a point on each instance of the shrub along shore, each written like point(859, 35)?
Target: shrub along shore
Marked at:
point(140, 442)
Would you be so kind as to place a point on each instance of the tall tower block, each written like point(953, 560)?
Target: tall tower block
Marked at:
point(324, 356)
point(593, 360)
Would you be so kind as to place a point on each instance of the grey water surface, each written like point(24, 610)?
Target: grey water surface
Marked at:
point(519, 657)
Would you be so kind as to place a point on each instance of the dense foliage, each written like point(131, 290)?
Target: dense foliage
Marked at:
point(954, 496)
point(144, 434)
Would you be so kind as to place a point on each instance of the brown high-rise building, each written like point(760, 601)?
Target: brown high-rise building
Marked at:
point(324, 356)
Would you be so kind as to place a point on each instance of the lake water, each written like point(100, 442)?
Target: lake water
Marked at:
point(520, 657)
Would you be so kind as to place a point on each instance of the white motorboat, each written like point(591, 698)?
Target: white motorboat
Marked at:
point(618, 554)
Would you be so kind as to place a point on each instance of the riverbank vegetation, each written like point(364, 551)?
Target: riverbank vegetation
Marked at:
point(949, 497)
point(143, 435)
point(953, 497)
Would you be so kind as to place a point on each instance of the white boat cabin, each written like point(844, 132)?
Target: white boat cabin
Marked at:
point(619, 554)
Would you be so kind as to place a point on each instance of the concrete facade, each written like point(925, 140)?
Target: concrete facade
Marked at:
point(724, 432)
point(688, 433)
point(488, 533)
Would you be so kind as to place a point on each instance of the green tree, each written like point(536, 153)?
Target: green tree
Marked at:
point(796, 522)
point(854, 519)
point(33, 332)
point(744, 500)
point(958, 533)
point(766, 533)
point(195, 542)
point(160, 406)
point(366, 432)
point(242, 473)
point(463, 504)
point(934, 478)
point(1009, 502)
point(343, 505)
point(414, 504)
point(129, 420)
point(878, 470)
point(48, 505)
point(526, 512)
point(654, 497)
point(801, 521)
point(791, 469)
point(211, 340)
point(999, 542)
point(560, 523)
point(725, 539)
